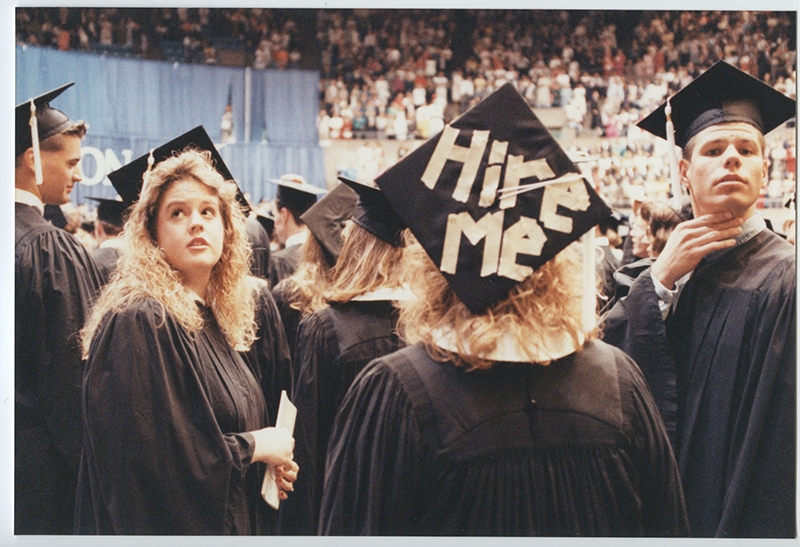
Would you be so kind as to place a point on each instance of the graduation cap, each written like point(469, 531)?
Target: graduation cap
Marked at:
point(128, 180)
point(268, 222)
point(722, 94)
point(295, 194)
point(36, 121)
point(325, 219)
point(375, 214)
point(111, 211)
point(492, 198)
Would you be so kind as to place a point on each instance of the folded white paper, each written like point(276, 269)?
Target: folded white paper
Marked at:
point(287, 413)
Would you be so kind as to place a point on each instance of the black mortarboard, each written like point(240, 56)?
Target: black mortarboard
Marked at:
point(325, 219)
point(375, 214)
point(49, 120)
point(295, 194)
point(722, 94)
point(268, 222)
point(457, 193)
point(127, 180)
point(111, 211)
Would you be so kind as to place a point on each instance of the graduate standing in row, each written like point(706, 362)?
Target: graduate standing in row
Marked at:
point(303, 291)
point(503, 416)
point(713, 322)
point(335, 342)
point(55, 282)
point(294, 197)
point(107, 227)
point(175, 422)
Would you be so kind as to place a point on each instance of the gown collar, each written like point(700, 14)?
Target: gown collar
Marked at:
point(396, 294)
point(297, 239)
point(508, 348)
point(27, 198)
point(750, 228)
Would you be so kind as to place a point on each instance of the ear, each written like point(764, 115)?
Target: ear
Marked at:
point(765, 173)
point(683, 168)
point(28, 159)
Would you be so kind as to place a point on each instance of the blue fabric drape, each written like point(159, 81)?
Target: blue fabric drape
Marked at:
point(132, 105)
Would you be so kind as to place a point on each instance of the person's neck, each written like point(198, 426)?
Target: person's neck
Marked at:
point(749, 213)
point(28, 184)
point(294, 229)
point(197, 286)
point(744, 215)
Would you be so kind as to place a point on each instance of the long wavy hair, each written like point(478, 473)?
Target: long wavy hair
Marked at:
point(304, 289)
point(365, 264)
point(143, 271)
point(546, 305)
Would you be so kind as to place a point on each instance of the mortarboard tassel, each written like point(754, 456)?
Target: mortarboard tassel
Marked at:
point(589, 298)
point(674, 174)
point(150, 161)
point(37, 158)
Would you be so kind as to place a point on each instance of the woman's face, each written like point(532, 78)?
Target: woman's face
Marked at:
point(639, 237)
point(190, 232)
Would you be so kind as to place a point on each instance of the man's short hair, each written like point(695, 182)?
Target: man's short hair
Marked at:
point(56, 142)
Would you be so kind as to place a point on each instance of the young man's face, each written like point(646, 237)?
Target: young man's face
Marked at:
point(60, 171)
point(727, 169)
point(281, 215)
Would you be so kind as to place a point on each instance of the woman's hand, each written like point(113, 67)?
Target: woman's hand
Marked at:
point(285, 475)
point(274, 446)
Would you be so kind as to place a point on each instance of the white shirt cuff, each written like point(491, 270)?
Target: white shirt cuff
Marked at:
point(665, 296)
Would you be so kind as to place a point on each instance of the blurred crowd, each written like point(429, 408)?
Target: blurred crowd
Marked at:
point(404, 74)
point(398, 74)
point(267, 37)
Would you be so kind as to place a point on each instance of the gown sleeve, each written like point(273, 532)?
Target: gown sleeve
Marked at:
point(761, 497)
point(55, 283)
point(374, 460)
point(663, 508)
point(315, 351)
point(269, 357)
point(289, 317)
point(156, 458)
point(635, 326)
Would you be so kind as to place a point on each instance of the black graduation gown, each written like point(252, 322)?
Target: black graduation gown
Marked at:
point(55, 285)
point(164, 416)
point(333, 345)
point(269, 358)
point(106, 260)
point(290, 317)
point(259, 244)
point(284, 263)
point(575, 448)
point(723, 367)
point(606, 265)
point(623, 278)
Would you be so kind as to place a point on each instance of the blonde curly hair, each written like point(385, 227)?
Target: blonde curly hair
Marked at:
point(305, 288)
point(143, 271)
point(544, 306)
point(365, 264)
